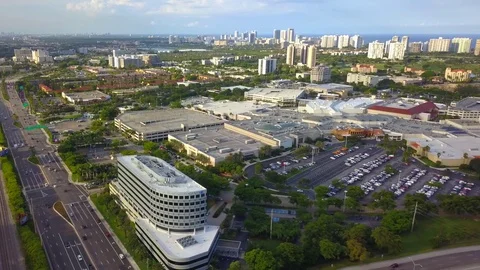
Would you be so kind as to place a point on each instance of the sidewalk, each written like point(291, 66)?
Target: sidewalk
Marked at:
point(418, 257)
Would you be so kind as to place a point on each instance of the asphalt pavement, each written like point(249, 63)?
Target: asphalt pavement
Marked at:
point(47, 183)
point(463, 258)
point(11, 256)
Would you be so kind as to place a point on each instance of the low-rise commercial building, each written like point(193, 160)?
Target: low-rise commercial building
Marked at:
point(418, 72)
point(336, 108)
point(406, 109)
point(211, 146)
point(467, 108)
point(85, 97)
point(403, 80)
point(155, 125)
point(169, 210)
point(342, 90)
point(450, 152)
point(232, 110)
point(457, 75)
point(281, 97)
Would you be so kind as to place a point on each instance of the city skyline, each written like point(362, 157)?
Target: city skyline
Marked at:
point(226, 16)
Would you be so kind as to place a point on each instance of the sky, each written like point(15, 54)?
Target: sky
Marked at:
point(226, 16)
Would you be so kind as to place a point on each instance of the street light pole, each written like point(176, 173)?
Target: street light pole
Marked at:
point(344, 199)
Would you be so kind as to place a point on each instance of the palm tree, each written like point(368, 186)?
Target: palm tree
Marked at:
point(426, 149)
point(465, 157)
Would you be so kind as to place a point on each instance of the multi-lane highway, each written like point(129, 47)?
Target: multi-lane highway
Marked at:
point(10, 253)
point(84, 244)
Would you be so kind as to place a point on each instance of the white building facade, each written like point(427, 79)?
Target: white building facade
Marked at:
point(169, 210)
point(375, 50)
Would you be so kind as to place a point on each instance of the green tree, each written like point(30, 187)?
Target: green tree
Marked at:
point(384, 200)
point(359, 232)
point(258, 168)
point(330, 250)
point(289, 256)
point(149, 146)
point(258, 259)
point(423, 204)
point(265, 152)
point(236, 265)
point(299, 199)
point(357, 251)
point(397, 221)
point(320, 195)
point(386, 240)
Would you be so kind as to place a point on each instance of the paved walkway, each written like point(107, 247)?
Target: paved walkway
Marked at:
point(462, 262)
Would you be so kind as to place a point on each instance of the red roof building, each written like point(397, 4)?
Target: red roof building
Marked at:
point(424, 111)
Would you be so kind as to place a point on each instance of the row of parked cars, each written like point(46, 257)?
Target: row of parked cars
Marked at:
point(357, 174)
point(355, 159)
point(405, 183)
point(462, 188)
point(375, 182)
point(430, 188)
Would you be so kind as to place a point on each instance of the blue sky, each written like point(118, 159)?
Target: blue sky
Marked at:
point(225, 16)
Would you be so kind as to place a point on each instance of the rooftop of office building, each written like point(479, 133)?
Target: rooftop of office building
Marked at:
point(159, 174)
point(468, 104)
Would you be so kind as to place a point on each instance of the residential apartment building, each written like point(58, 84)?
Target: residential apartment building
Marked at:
point(311, 56)
point(22, 55)
point(367, 80)
point(41, 56)
point(375, 50)
point(290, 59)
point(415, 47)
point(461, 45)
point(329, 41)
point(477, 47)
point(439, 45)
point(356, 41)
point(267, 65)
point(343, 41)
point(362, 68)
point(276, 34)
point(320, 73)
point(396, 51)
point(169, 210)
point(457, 75)
point(290, 35)
point(405, 40)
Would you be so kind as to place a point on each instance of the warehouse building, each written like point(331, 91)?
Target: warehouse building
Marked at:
point(169, 210)
point(155, 125)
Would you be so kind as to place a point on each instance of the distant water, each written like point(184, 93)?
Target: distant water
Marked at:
point(417, 37)
point(171, 49)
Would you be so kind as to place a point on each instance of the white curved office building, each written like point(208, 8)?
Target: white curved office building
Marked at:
point(169, 210)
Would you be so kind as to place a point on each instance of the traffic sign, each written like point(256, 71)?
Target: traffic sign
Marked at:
point(35, 127)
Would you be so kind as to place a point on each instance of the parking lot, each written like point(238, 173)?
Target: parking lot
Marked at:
point(365, 166)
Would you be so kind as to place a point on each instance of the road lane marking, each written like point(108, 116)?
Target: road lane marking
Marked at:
point(63, 244)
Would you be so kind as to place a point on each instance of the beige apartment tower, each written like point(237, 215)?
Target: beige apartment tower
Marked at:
point(311, 56)
point(477, 47)
point(290, 55)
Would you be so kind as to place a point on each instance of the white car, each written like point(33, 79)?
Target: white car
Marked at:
point(79, 257)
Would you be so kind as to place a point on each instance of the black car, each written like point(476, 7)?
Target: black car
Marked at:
point(84, 237)
point(395, 265)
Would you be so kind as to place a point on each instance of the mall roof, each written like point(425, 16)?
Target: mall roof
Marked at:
point(468, 104)
point(401, 107)
point(166, 120)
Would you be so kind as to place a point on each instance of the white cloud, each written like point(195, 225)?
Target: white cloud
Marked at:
point(153, 23)
point(192, 24)
point(95, 6)
point(207, 7)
